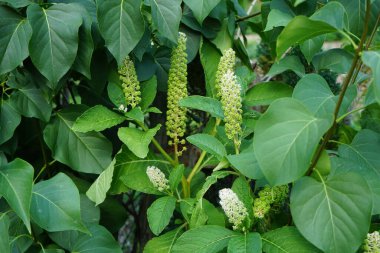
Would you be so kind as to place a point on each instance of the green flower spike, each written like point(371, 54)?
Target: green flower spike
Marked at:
point(227, 62)
point(130, 84)
point(177, 90)
point(233, 208)
point(267, 197)
point(372, 243)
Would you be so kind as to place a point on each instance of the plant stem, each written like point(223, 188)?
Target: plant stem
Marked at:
point(346, 82)
point(350, 112)
point(248, 17)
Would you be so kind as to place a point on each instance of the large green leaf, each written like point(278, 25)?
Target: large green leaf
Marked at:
point(362, 156)
point(204, 239)
point(201, 8)
point(336, 59)
point(166, 15)
point(137, 140)
point(97, 118)
point(206, 104)
point(285, 138)
point(267, 92)
point(210, 57)
point(15, 35)
point(163, 243)
point(246, 163)
point(4, 236)
point(290, 62)
point(16, 181)
point(121, 25)
point(9, 120)
point(247, 243)
point(333, 214)
point(298, 30)
point(372, 60)
point(160, 213)
point(209, 144)
point(334, 14)
point(92, 150)
point(56, 205)
point(286, 240)
point(223, 40)
point(56, 31)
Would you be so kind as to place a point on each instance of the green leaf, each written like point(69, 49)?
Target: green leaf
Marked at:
point(210, 180)
point(148, 92)
point(370, 118)
point(97, 118)
point(246, 163)
point(163, 243)
point(98, 190)
point(209, 144)
point(92, 150)
point(160, 213)
point(285, 138)
point(247, 243)
point(204, 239)
point(266, 93)
point(333, 214)
point(56, 30)
point(56, 205)
point(4, 236)
point(334, 14)
point(15, 35)
point(210, 57)
point(298, 30)
point(314, 92)
point(277, 18)
point(223, 39)
point(372, 60)
point(121, 25)
point(290, 62)
point(198, 215)
point(286, 240)
point(206, 104)
point(175, 176)
point(312, 46)
point(18, 3)
point(243, 190)
point(166, 15)
point(201, 8)
point(336, 59)
point(135, 114)
point(9, 120)
point(137, 140)
point(362, 156)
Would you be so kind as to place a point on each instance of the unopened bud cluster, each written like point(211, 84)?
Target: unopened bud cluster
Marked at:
point(267, 197)
point(129, 83)
point(177, 90)
point(157, 178)
point(234, 209)
point(372, 243)
point(227, 62)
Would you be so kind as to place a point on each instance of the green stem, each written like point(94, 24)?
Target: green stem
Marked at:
point(350, 112)
point(247, 17)
point(43, 169)
point(349, 39)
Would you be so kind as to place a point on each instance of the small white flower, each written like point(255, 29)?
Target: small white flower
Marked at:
point(372, 243)
point(233, 207)
point(123, 108)
point(157, 178)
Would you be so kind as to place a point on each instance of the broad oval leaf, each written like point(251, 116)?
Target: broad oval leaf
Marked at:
point(333, 214)
point(247, 243)
point(285, 138)
point(16, 180)
point(121, 24)
point(209, 144)
point(56, 205)
point(164, 243)
point(266, 93)
point(160, 213)
point(92, 150)
point(54, 43)
point(204, 239)
point(15, 35)
point(97, 118)
point(206, 104)
point(201, 8)
point(9, 120)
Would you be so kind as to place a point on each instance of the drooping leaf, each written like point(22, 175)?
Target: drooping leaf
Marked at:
point(204, 239)
point(16, 181)
point(164, 243)
point(201, 9)
point(206, 104)
point(372, 60)
point(97, 118)
point(92, 150)
point(160, 213)
point(291, 62)
point(334, 213)
point(208, 143)
point(266, 93)
point(121, 25)
point(15, 35)
point(285, 138)
point(9, 120)
point(247, 243)
point(56, 205)
point(56, 30)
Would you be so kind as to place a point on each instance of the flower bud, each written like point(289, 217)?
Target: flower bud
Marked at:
point(234, 209)
point(130, 84)
point(157, 178)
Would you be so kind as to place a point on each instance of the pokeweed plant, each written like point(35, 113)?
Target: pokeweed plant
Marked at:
point(155, 122)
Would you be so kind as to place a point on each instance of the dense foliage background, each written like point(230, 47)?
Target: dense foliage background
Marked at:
point(304, 168)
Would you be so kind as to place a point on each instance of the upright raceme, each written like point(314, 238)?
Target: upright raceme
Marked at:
point(267, 197)
point(227, 62)
point(130, 84)
point(177, 90)
point(157, 178)
point(234, 209)
point(372, 243)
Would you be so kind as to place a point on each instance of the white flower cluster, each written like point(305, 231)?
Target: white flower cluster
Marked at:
point(233, 207)
point(122, 108)
point(372, 243)
point(157, 178)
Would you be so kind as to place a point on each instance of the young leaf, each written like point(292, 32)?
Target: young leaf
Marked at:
point(204, 239)
point(312, 46)
point(121, 24)
point(206, 104)
point(176, 176)
point(247, 243)
point(290, 62)
point(243, 190)
point(278, 18)
point(286, 239)
point(148, 92)
point(202, 8)
point(285, 138)
point(333, 214)
point(266, 93)
point(97, 118)
point(209, 144)
point(160, 213)
point(137, 140)
point(163, 243)
point(56, 205)
point(16, 182)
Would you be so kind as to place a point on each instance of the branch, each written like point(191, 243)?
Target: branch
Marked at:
point(248, 17)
